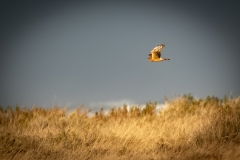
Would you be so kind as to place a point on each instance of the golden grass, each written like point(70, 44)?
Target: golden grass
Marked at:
point(187, 128)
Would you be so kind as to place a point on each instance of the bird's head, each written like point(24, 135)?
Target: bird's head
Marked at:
point(150, 57)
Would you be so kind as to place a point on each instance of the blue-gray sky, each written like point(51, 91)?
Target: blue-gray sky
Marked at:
point(95, 53)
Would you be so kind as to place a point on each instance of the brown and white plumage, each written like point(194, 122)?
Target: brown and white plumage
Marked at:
point(155, 55)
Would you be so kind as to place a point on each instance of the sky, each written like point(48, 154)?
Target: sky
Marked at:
point(94, 53)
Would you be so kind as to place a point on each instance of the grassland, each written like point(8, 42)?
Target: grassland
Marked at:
point(187, 128)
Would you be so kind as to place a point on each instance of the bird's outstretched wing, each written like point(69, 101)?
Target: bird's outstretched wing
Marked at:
point(157, 50)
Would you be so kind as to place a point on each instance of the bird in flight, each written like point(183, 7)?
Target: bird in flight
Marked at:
point(155, 55)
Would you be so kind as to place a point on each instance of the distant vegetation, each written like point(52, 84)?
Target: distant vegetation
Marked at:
point(187, 128)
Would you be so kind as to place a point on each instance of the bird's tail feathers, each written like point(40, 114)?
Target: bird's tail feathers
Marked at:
point(162, 59)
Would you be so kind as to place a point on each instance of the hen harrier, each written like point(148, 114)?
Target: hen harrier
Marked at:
point(155, 55)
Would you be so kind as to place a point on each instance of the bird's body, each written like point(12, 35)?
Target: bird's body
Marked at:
point(155, 55)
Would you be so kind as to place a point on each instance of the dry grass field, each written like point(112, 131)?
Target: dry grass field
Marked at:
point(187, 128)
